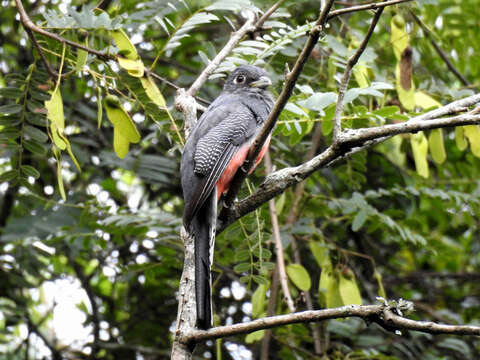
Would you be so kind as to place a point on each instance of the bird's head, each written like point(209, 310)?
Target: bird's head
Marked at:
point(249, 78)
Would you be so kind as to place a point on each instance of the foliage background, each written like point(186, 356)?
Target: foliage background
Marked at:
point(372, 218)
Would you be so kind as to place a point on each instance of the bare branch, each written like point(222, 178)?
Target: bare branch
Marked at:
point(381, 314)
point(351, 141)
point(278, 245)
point(371, 6)
point(337, 126)
point(187, 313)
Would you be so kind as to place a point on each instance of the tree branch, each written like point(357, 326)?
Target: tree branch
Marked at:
point(337, 125)
point(383, 315)
point(187, 312)
point(287, 90)
point(351, 141)
point(371, 6)
point(228, 211)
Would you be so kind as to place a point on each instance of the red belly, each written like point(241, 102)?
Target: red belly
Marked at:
point(223, 184)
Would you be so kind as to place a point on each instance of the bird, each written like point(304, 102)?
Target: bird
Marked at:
point(215, 149)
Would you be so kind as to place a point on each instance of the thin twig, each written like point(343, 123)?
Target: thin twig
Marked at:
point(371, 6)
point(440, 51)
point(381, 314)
point(278, 244)
point(337, 121)
point(53, 74)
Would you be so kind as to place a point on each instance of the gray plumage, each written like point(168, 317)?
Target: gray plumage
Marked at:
point(229, 123)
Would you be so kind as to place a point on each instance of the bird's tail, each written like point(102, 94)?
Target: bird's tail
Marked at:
point(203, 227)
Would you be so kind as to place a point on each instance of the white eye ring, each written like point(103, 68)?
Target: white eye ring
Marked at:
point(240, 79)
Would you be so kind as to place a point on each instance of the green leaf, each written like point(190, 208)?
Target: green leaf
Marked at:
point(242, 267)
point(460, 139)
point(34, 147)
point(121, 145)
point(11, 92)
point(254, 336)
point(472, 133)
point(265, 254)
point(99, 107)
point(30, 171)
point(61, 186)
point(381, 289)
point(327, 121)
point(35, 133)
point(9, 133)
point(55, 114)
point(242, 255)
point(134, 67)
point(360, 72)
point(348, 289)
point(124, 129)
point(387, 111)
point(124, 44)
point(399, 37)
point(260, 280)
point(10, 109)
point(9, 175)
point(258, 300)
point(319, 101)
point(425, 101)
point(153, 92)
point(359, 220)
point(82, 56)
point(420, 149)
point(328, 291)
point(437, 148)
point(319, 251)
point(299, 276)
point(280, 203)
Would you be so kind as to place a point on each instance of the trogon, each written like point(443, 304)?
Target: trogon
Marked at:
point(215, 149)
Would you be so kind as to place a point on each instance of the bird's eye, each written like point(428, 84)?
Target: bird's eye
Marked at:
point(240, 79)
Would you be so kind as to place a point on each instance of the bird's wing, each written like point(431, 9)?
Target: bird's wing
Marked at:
point(217, 147)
